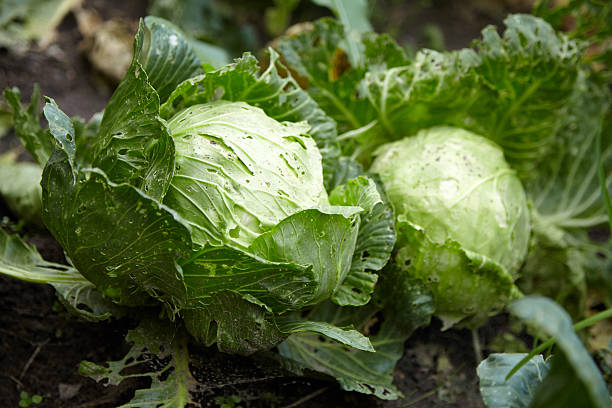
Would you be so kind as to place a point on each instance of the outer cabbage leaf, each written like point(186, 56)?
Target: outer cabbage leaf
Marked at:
point(159, 351)
point(324, 238)
point(279, 97)
point(345, 169)
point(39, 142)
point(133, 144)
point(130, 122)
point(346, 336)
point(512, 90)
point(573, 379)
point(456, 276)
point(591, 19)
point(353, 14)
point(375, 240)
point(433, 89)
point(566, 193)
point(167, 56)
point(365, 372)
point(120, 239)
point(299, 262)
point(85, 135)
point(522, 123)
point(518, 391)
point(235, 324)
point(567, 202)
point(20, 181)
point(241, 327)
point(360, 371)
point(277, 285)
point(394, 291)
point(558, 272)
point(85, 301)
point(94, 218)
point(62, 130)
point(22, 261)
point(320, 58)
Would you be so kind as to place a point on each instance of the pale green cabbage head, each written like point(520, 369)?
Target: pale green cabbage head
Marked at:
point(239, 172)
point(455, 196)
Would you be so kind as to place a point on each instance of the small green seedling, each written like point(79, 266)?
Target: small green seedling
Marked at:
point(25, 400)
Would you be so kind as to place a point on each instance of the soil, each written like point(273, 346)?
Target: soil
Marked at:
point(41, 345)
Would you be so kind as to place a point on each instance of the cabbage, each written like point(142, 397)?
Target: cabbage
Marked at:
point(239, 172)
point(204, 194)
point(462, 218)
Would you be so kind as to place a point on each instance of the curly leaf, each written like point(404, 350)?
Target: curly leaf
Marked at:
point(375, 240)
point(320, 58)
point(434, 89)
point(513, 90)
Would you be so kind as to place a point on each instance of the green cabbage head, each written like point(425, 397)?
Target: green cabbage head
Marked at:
point(462, 219)
point(239, 172)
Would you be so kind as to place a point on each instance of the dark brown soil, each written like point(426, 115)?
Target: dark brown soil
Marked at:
point(41, 345)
